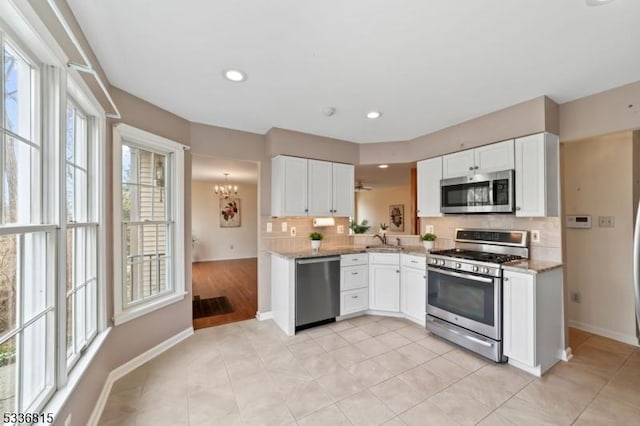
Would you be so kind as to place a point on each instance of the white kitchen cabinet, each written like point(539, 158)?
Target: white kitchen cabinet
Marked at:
point(354, 283)
point(343, 189)
point(413, 288)
point(384, 282)
point(537, 175)
point(533, 324)
point(320, 175)
point(494, 157)
point(289, 186)
point(303, 187)
point(429, 174)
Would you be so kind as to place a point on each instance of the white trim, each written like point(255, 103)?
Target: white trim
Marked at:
point(224, 258)
point(624, 338)
point(262, 316)
point(133, 134)
point(567, 354)
point(385, 314)
point(536, 371)
point(61, 396)
point(147, 307)
point(131, 365)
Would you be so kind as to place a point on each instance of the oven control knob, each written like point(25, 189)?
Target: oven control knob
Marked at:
point(475, 269)
point(458, 265)
point(485, 270)
point(441, 262)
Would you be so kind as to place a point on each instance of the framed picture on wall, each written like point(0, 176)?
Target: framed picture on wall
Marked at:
point(230, 213)
point(396, 218)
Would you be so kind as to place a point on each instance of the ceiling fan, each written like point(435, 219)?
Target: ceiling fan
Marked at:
point(360, 187)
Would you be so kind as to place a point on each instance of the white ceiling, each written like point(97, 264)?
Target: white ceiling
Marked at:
point(212, 169)
point(426, 64)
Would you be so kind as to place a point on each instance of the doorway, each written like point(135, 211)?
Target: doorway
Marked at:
point(224, 209)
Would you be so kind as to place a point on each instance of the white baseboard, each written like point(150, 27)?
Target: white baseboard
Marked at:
point(536, 371)
point(624, 338)
point(131, 365)
point(261, 316)
point(567, 354)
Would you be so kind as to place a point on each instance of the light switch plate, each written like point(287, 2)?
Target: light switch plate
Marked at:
point(293, 231)
point(284, 226)
point(340, 229)
point(535, 236)
point(428, 229)
point(606, 222)
point(269, 227)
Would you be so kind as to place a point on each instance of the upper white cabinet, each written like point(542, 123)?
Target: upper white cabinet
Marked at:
point(533, 324)
point(289, 186)
point(537, 175)
point(429, 175)
point(302, 187)
point(485, 159)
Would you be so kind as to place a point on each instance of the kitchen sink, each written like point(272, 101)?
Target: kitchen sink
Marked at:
point(385, 249)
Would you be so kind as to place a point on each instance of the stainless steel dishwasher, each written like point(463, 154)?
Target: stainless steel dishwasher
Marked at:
point(317, 290)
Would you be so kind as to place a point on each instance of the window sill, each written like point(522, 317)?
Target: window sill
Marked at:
point(61, 396)
point(138, 311)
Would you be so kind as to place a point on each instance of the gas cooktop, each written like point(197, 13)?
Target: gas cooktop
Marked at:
point(480, 256)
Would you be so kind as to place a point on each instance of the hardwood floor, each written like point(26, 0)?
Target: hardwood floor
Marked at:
point(237, 279)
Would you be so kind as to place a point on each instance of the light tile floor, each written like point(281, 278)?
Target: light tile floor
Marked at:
point(366, 371)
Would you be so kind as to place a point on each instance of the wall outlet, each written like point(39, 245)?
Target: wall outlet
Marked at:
point(269, 227)
point(293, 231)
point(340, 229)
point(606, 221)
point(428, 229)
point(575, 296)
point(535, 236)
point(284, 226)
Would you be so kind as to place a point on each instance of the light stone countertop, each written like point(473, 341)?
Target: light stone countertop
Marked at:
point(531, 266)
point(339, 250)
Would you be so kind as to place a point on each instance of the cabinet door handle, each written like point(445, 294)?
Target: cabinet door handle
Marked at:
point(414, 261)
point(354, 273)
point(506, 278)
point(476, 167)
point(518, 208)
point(398, 271)
point(424, 277)
point(354, 297)
point(470, 167)
point(306, 210)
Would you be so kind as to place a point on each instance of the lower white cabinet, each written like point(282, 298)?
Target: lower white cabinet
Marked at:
point(354, 283)
point(533, 324)
point(352, 301)
point(413, 288)
point(384, 282)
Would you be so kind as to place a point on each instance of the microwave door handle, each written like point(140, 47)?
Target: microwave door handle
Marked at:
point(492, 201)
point(459, 275)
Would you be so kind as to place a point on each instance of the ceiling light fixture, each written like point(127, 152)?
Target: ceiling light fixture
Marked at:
point(383, 166)
point(226, 190)
point(372, 115)
point(236, 76)
point(597, 2)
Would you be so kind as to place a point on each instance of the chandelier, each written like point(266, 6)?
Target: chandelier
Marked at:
point(226, 190)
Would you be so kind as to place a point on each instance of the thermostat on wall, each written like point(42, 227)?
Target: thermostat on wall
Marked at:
point(578, 221)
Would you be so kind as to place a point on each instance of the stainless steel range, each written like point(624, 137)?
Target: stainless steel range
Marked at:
point(464, 298)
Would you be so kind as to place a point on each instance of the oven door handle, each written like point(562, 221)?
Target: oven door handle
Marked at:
point(473, 339)
point(459, 275)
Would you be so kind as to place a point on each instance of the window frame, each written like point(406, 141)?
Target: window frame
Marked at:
point(124, 134)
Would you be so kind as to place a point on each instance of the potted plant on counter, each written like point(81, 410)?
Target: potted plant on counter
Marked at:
point(316, 239)
point(383, 228)
point(360, 229)
point(427, 240)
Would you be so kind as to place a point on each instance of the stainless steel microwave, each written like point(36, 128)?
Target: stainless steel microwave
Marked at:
point(486, 193)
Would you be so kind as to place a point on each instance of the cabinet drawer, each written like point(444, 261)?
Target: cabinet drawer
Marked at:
point(354, 259)
point(353, 277)
point(384, 258)
point(354, 301)
point(414, 261)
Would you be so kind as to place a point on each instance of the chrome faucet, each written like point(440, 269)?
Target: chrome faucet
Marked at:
point(398, 241)
point(382, 238)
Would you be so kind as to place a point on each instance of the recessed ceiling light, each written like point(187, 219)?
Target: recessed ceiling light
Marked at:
point(374, 114)
point(383, 166)
point(597, 2)
point(235, 75)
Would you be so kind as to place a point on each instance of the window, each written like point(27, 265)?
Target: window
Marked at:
point(81, 284)
point(149, 205)
point(27, 242)
point(51, 275)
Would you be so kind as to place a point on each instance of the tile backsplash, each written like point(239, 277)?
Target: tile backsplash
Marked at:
point(283, 241)
point(549, 248)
